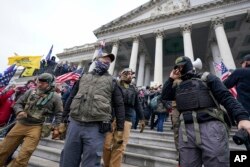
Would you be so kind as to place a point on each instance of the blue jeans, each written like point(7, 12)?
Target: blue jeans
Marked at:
point(83, 139)
point(161, 119)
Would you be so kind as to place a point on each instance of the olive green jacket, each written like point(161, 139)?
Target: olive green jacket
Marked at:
point(93, 101)
point(39, 108)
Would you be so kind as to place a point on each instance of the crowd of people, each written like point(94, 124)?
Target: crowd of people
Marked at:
point(53, 67)
point(95, 114)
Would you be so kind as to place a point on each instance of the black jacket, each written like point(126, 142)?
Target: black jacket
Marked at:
point(117, 100)
point(241, 79)
point(219, 91)
point(129, 110)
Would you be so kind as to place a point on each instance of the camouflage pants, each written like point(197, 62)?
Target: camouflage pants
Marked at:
point(176, 123)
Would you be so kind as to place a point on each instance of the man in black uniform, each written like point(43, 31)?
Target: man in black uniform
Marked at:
point(241, 79)
point(203, 137)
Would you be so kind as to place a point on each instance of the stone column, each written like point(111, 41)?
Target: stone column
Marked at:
point(187, 41)
point(216, 58)
point(114, 51)
point(158, 71)
point(223, 44)
point(134, 53)
point(211, 66)
point(147, 75)
point(140, 75)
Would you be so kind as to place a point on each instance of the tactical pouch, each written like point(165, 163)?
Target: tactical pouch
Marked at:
point(46, 130)
point(104, 127)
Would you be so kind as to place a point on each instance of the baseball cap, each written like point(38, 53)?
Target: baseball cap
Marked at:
point(127, 70)
point(110, 55)
point(245, 58)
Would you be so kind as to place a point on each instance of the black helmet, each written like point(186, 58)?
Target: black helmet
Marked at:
point(186, 63)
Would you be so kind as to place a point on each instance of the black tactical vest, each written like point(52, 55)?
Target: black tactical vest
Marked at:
point(129, 95)
point(193, 94)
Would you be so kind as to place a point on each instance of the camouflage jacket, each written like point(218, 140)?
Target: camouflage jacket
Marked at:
point(39, 108)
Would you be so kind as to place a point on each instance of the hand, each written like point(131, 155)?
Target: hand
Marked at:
point(244, 124)
point(142, 125)
point(55, 134)
point(21, 115)
point(118, 139)
point(175, 74)
point(62, 128)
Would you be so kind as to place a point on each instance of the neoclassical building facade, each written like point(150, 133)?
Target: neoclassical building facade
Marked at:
point(149, 38)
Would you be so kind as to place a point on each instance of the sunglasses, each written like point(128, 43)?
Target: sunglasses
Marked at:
point(42, 80)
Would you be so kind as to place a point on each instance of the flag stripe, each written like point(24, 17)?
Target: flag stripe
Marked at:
point(75, 75)
point(224, 75)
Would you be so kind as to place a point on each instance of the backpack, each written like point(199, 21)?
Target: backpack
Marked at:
point(153, 103)
point(157, 105)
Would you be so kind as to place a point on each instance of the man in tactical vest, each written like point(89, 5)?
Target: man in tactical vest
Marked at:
point(203, 137)
point(112, 155)
point(34, 109)
point(96, 95)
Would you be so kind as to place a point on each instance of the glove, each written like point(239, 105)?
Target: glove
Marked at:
point(118, 139)
point(62, 128)
point(142, 125)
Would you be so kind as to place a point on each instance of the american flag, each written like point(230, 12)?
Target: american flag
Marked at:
point(217, 66)
point(8, 74)
point(224, 74)
point(75, 75)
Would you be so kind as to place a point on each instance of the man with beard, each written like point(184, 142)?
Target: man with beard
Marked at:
point(33, 110)
point(112, 154)
point(94, 97)
point(203, 138)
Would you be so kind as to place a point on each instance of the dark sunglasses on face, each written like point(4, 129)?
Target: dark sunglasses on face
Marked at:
point(42, 80)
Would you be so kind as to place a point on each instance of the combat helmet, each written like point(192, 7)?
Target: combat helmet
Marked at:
point(47, 77)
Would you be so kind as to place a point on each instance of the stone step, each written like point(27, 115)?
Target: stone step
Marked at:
point(47, 152)
point(144, 140)
point(41, 162)
point(52, 149)
point(141, 160)
point(155, 151)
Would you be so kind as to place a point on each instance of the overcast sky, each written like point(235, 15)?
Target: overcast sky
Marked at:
point(30, 27)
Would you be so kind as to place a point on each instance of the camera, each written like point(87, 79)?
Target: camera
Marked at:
point(242, 137)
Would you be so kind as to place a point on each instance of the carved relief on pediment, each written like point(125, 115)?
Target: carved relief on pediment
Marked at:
point(170, 6)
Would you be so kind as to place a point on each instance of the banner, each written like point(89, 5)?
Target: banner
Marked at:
point(28, 71)
point(25, 61)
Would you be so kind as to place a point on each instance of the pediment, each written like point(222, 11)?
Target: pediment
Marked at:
point(146, 11)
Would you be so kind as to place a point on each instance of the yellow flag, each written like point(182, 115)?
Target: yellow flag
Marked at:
point(25, 61)
point(28, 72)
